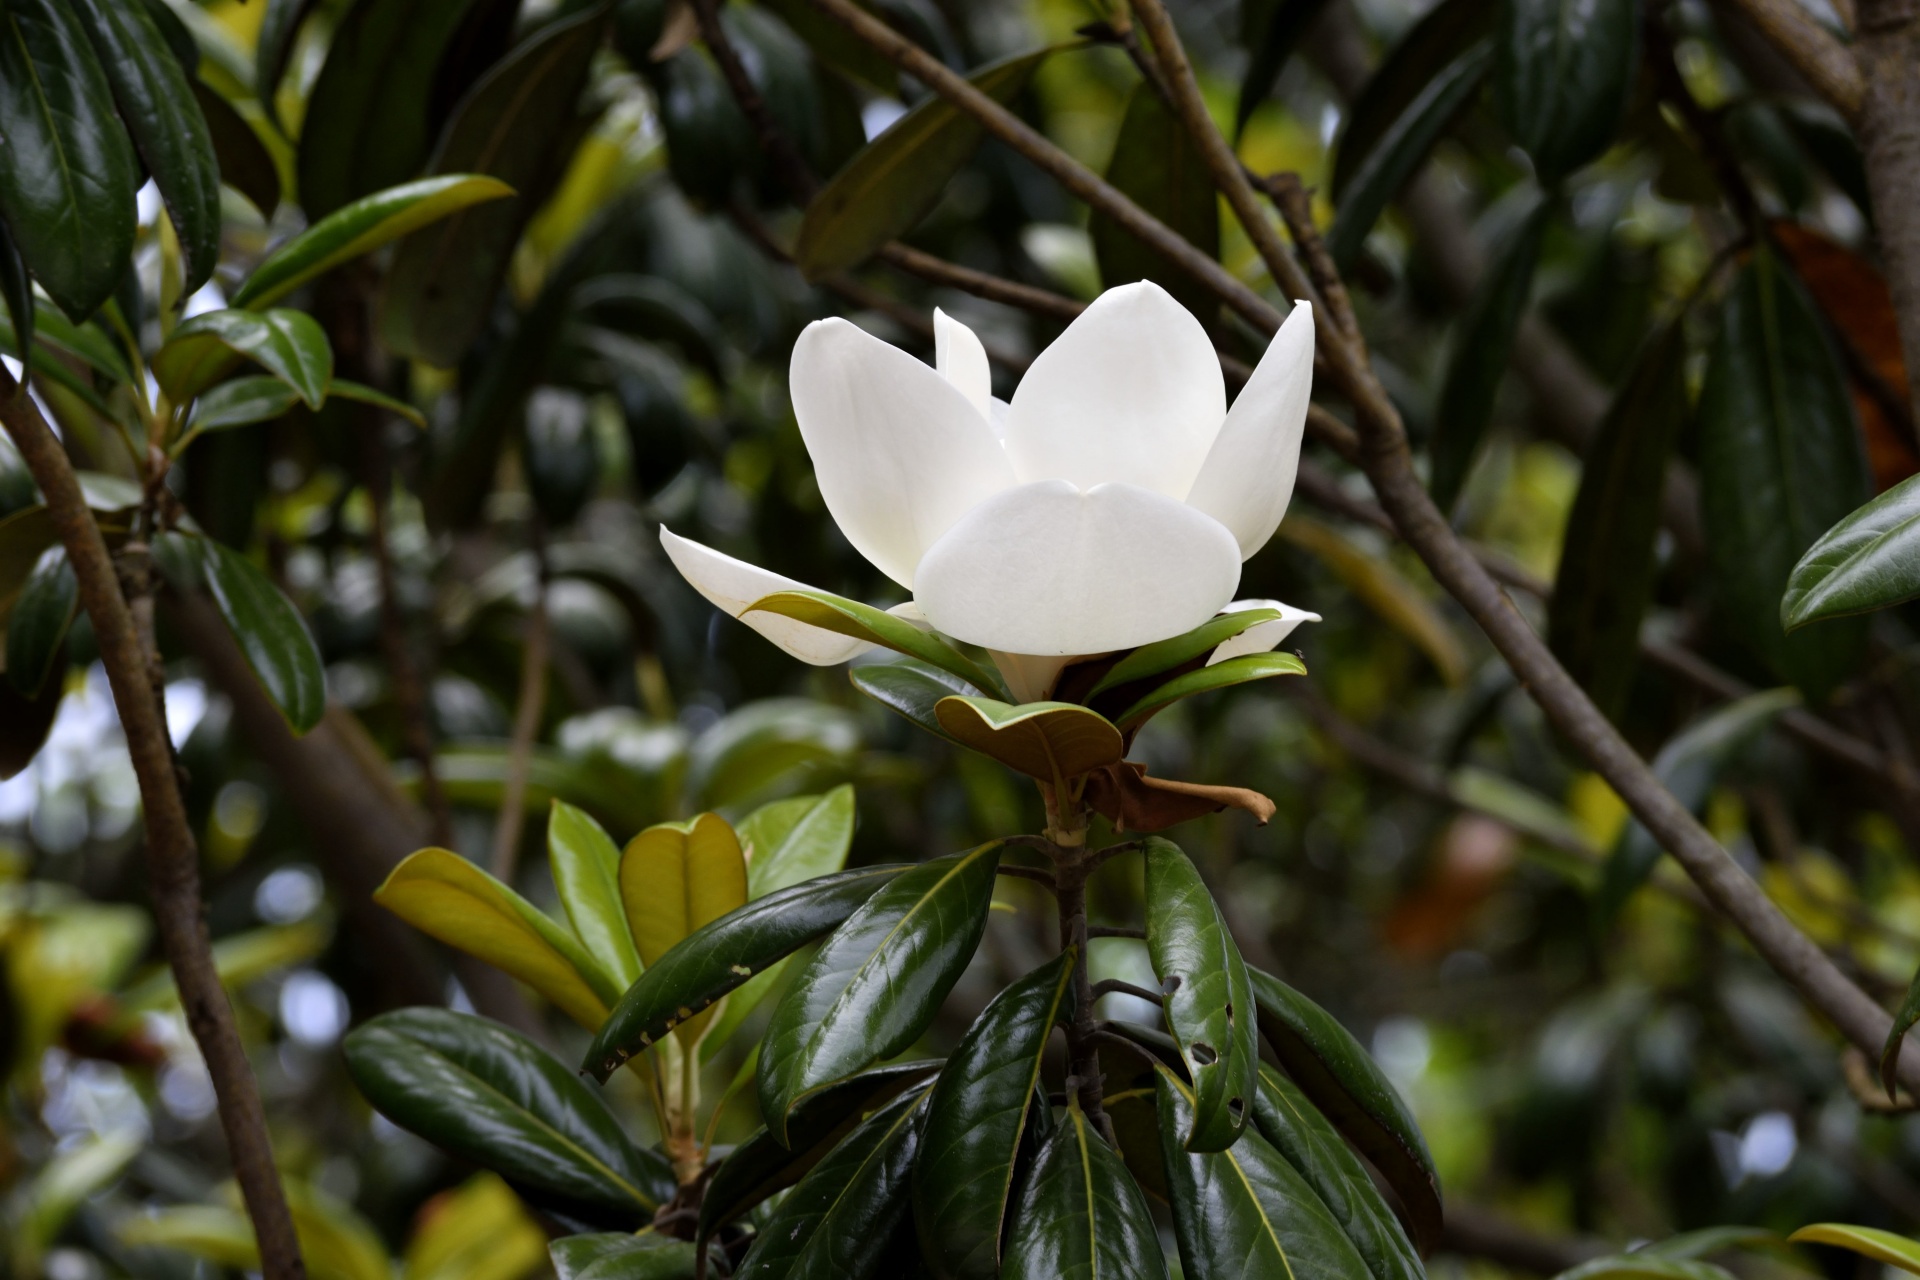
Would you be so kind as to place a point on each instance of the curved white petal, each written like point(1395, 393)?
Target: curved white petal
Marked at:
point(962, 360)
point(997, 411)
point(733, 584)
point(909, 612)
point(900, 452)
point(1263, 637)
point(1045, 569)
point(1029, 676)
point(1131, 394)
point(1248, 476)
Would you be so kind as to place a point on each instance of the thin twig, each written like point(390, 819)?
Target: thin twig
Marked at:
point(1295, 203)
point(1034, 874)
point(172, 859)
point(1114, 986)
point(528, 709)
point(1117, 931)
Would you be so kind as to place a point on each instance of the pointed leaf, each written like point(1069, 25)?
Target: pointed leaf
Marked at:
point(620, 1256)
point(725, 954)
point(513, 125)
point(238, 402)
point(16, 291)
point(875, 626)
point(67, 187)
point(1081, 1216)
point(977, 1121)
point(797, 839)
point(876, 983)
point(762, 1167)
point(586, 874)
point(1780, 464)
point(1644, 1264)
point(485, 1094)
point(1209, 1000)
point(1565, 74)
point(1429, 47)
point(291, 345)
point(910, 689)
point(1691, 765)
point(1051, 741)
point(271, 632)
point(245, 163)
point(1298, 1131)
point(156, 104)
point(37, 626)
point(1482, 345)
point(1164, 655)
point(895, 180)
point(360, 228)
point(1253, 666)
point(1246, 1210)
point(838, 1223)
point(674, 880)
point(86, 342)
point(446, 897)
point(1605, 580)
point(1270, 30)
point(1870, 560)
point(25, 723)
point(342, 389)
point(1351, 1091)
point(1871, 1242)
point(1157, 164)
point(279, 26)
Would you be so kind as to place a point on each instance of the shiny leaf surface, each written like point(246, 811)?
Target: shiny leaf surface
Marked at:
point(1563, 77)
point(1051, 741)
point(1164, 655)
point(1221, 675)
point(1081, 1215)
point(620, 1256)
point(37, 625)
point(910, 689)
point(271, 633)
point(290, 345)
point(1870, 560)
point(1870, 1242)
point(875, 626)
point(586, 874)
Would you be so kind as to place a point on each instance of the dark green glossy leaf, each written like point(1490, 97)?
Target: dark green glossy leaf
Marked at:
point(1270, 30)
point(875, 984)
point(67, 187)
point(895, 180)
point(245, 163)
point(1482, 344)
point(1780, 464)
point(514, 125)
point(1209, 1000)
point(1868, 561)
point(483, 1093)
point(156, 104)
point(1165, 655)
point(47, 365)
point(362, 227)
point(16, 291)
point(1429, 47)
point(270, 630)
point(724, 954)
point(1311, 1145)
point(1402, 148)
point(977, 1121)
point(368, 119)
point(911, 689)
point(341, 389)
point(1564, 76)
point(37, 625)
point(1690, 766)
point(1902, 1023)
point(1051, 741)
point(1351, 1091)
point(86, 342)
point(1158, 165)
point(761, 1167)
point(875, 626)
point(279, 26)
point(619, 1256)
point(1605, 581)
point(838, 1223)
point(1246, 1211)
point(1221, 675)
point(1081, 1215)
point(291, 345)
point(239, 402)
point(26, 722)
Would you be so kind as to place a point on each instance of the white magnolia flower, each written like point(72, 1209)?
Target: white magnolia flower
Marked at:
point(1108, 506)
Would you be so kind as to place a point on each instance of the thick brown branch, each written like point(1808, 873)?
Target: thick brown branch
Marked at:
point(1815, 52)
point(1889, 126)
point(173, 862)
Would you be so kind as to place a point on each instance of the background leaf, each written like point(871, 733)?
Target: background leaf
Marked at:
point(1565, 72)
point(271, 632)
point(1869, 560)
point(1157, 164)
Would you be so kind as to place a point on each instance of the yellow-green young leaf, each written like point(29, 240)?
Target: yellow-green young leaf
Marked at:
point(221, 1236)
point(1045, 740)
point(446, 897)
point(43, 1206)
point(1871, 1242)
point(674, 879)
point(336, 1242)
point(477, 1231)
point(586, 871)
point(1385, 590)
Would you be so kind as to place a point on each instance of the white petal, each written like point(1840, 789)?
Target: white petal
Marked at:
point(962, 360)
point(997, 411)
point(1046, 569)
point(909, 612)
point(1262, 637)
point(1030, 677)
point(1131, 393)
point(733, 584)
point(1248, 476)
point(899, 452)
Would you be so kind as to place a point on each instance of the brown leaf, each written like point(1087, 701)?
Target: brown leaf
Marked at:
point(1124, 795)
point(1857, 303)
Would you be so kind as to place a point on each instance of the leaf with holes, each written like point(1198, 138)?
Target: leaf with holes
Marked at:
point(1051, 741)
point(876, 983)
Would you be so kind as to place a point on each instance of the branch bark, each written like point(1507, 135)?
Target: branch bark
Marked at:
point(1814, 51)
point(1889, 126)
point(173, 859)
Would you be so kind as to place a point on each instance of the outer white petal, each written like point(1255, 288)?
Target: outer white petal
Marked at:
point(1131, 393)
point(733, 584)
point(1248, 476)
point(1030, 677)
point(962, 360)
point(1045, 569)
point(900, 452)
point(1264, 637)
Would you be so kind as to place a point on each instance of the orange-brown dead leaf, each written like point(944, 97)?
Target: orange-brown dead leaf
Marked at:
point(1124, 795)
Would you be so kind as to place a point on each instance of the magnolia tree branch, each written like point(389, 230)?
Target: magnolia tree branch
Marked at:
point(1815, 52)
point(1888, 123)
point(1389, 464)
point(173, 860)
